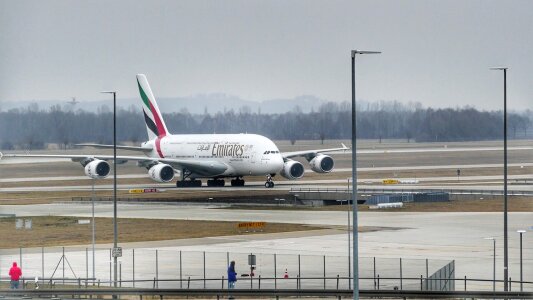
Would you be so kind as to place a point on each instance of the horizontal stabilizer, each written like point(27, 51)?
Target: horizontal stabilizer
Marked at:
point(131, 148)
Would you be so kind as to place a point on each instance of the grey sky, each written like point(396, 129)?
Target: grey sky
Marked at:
point(434, 52)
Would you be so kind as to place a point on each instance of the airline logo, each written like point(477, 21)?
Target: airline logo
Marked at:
point(152, 116)
point(225, 149)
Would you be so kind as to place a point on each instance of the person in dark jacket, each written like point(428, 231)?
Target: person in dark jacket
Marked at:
point(232, 275)
point(15, 274)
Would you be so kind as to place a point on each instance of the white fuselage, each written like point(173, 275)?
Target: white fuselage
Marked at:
point(244, 154)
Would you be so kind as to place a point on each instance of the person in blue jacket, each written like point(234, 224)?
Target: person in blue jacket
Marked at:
point(232, 275)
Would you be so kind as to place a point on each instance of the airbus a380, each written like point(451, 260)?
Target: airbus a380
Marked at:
point(200, 156)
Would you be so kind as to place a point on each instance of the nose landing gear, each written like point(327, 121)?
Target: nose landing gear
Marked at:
point(269, 183)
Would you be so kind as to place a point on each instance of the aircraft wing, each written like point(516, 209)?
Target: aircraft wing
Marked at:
point(312, 153)
point(131, 148)
point(205, 168)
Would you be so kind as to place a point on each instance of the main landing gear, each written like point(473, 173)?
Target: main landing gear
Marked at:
point(215, 182)
point(237, 182)
point(188, 183)
point(269, 183)
point(184, 183)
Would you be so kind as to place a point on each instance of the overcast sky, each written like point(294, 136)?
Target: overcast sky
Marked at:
point(434, 52)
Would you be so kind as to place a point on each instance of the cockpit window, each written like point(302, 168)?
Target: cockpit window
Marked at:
point(271, 152)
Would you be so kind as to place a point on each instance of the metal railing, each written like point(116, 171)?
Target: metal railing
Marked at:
point(407, 190)
point(161, 293)
point(147, 264)
point(259, 283)
point(193, 269)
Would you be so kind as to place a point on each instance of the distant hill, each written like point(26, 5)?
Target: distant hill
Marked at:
point(197, 104)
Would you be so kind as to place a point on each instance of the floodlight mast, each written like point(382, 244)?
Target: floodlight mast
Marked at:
point(505, 237)
point(115, 230)
point(354, 180)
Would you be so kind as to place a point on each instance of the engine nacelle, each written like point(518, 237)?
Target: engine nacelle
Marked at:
point(161, 173)
point(322, 163)
point(292, 170)
point(97, 169)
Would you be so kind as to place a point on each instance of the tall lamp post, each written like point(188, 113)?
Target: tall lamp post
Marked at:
point(115, 234)
point(493, 262)
point(93, 232)
point(354, 181)
point(505, 246)
point(521, 231)
point(349, 238)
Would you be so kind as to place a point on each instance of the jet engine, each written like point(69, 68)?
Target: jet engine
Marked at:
point(322, 163)
point(161, 173)
point(97, 169)
point(292, 170)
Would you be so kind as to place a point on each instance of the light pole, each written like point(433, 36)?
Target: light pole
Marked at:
point(94, 232)
point(115, 234)
point(505, 246)
point(493, 262)
point(354, 181)
point(349, 239)
point(521, 231)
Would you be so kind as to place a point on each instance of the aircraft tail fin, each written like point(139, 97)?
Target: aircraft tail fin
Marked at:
point(155, 125)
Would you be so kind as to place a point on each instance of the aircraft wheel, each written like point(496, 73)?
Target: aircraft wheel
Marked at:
point(188, 183)
point(269, 184)
point(237, 182)
point(216, 182)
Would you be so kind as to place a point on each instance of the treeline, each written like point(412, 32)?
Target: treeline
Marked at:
point(34, 128)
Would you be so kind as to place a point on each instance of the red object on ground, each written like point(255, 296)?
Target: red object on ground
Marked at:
point(286, 275)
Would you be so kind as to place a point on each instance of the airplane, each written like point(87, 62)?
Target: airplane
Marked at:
point(201, 156)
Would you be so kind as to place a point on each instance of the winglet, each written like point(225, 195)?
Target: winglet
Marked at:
point(1, 155)
point(344, 146)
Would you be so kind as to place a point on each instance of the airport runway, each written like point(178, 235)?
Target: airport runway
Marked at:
point(133, 176)
point(464, 184)
point(83, 183)
point(413, 149)
point(336, 170)
point(436, 236)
